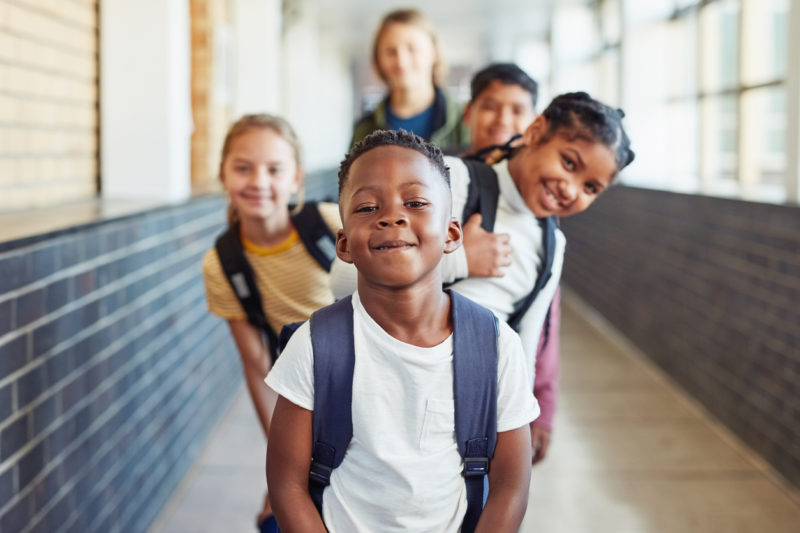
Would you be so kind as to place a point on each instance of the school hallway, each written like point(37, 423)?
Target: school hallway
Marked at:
point(631, 453)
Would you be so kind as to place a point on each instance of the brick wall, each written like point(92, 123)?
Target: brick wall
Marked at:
point(48, 102)
point(210, 109)
point(111, 370)
point(709, 289)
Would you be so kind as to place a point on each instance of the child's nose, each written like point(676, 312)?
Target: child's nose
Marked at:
point(393, 219)
point(261, 174)
point(567, 190)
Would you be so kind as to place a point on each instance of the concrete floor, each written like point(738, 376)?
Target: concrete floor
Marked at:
point(630, 454)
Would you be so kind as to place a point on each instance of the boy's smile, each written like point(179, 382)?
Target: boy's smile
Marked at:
point(396, 216)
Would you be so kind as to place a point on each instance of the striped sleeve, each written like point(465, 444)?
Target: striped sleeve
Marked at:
point(220, 296)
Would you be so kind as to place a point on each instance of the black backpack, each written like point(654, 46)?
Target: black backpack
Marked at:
point(319, 242)
point(475, 332)
point(482, 196)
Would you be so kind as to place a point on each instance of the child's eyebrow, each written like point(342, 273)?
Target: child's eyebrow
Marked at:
point(404, 185)
point(577, 156)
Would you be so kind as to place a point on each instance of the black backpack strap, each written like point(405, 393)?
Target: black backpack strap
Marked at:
point(548, 226)
point(319, 240)
point(243, 281)
point(475, 334)
point(483, 192)
point(334, 362)
point(506, 148)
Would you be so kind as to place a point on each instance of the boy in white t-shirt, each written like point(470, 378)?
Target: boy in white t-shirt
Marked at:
point(402, 469)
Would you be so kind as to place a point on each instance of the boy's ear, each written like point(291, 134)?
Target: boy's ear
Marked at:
point(465, 116)
point(535, 131)
point(342, 249)
point(454, 236)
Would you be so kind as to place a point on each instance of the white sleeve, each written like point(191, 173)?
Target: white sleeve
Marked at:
point(516, 405)
point(343, 279)
point(292, 376)
point(530, 327)
point(454, 265)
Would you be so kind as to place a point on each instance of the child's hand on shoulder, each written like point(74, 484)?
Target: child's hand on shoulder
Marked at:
point(487, 253)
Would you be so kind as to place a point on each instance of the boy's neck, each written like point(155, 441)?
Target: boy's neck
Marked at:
point(407, 102)
point(418, 315)
point(269, 231)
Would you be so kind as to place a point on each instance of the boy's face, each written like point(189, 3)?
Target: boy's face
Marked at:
point(560, 177)
point(498, 113)
point(396, 218)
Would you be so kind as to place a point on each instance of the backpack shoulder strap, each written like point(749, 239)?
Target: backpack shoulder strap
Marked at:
point(334, 362)
point(475, 334)
point(548, 226)
point(317, 237)
point(243, 281)
point(482, 193)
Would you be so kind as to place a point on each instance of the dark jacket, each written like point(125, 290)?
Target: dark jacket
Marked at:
point(449, 132)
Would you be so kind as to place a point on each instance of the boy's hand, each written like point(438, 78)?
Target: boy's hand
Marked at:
point(540, 441)
point(487, 253)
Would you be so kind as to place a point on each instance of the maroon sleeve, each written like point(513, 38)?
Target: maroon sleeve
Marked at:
point(545, 386)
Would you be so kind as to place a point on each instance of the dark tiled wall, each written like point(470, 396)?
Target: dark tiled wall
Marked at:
point(111, 370)
point(710, 290)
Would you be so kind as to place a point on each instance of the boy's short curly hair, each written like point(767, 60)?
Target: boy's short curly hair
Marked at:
point(402, 138)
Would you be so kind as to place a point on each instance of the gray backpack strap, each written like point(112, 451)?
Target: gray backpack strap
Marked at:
point(475, 334)
point(334, 362)
point(242, 280)
point(317, 237)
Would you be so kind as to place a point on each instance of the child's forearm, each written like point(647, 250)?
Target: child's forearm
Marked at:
point(255, 363)
point(509, 479)
point(503, 512)
point(294, 510)
point(263, 398)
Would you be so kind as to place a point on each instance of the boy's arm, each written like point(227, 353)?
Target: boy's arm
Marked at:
point(509, 479)
point(288, 463)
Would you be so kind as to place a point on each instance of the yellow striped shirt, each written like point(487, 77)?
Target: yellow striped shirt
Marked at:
point(291, 282)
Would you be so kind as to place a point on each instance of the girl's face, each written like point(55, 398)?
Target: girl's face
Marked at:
point(260, 173)
point(405, 56)
point(560, 177)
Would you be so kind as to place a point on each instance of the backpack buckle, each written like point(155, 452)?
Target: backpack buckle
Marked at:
point(475, 466)
point(320, 473)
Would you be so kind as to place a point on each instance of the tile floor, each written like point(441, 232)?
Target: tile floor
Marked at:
point(630, 454)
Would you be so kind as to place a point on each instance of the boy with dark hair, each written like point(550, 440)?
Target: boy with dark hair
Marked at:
point(502, 105)
point(402, 469)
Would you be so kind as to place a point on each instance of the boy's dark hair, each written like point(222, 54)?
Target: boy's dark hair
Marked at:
point(507, 74)
point(402, 138)
point(580, 116)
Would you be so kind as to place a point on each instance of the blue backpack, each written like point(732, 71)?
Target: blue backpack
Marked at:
point(315, 235)
point(475, 332)
point(482, 196)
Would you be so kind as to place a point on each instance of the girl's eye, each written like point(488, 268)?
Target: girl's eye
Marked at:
point(275, 170)
point(591, 188)
point(568, 162)
point(241, 168)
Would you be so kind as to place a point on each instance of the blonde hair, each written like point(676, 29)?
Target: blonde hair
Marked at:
point(261, 121)
point(412, 17)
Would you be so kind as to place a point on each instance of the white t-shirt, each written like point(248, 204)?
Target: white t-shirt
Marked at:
point(402, 470)
point(525, 236)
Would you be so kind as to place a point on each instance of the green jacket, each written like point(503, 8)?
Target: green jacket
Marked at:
point(449, 132)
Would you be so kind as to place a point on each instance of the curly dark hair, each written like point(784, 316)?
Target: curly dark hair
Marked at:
point(402, 138)
point(579, 116)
